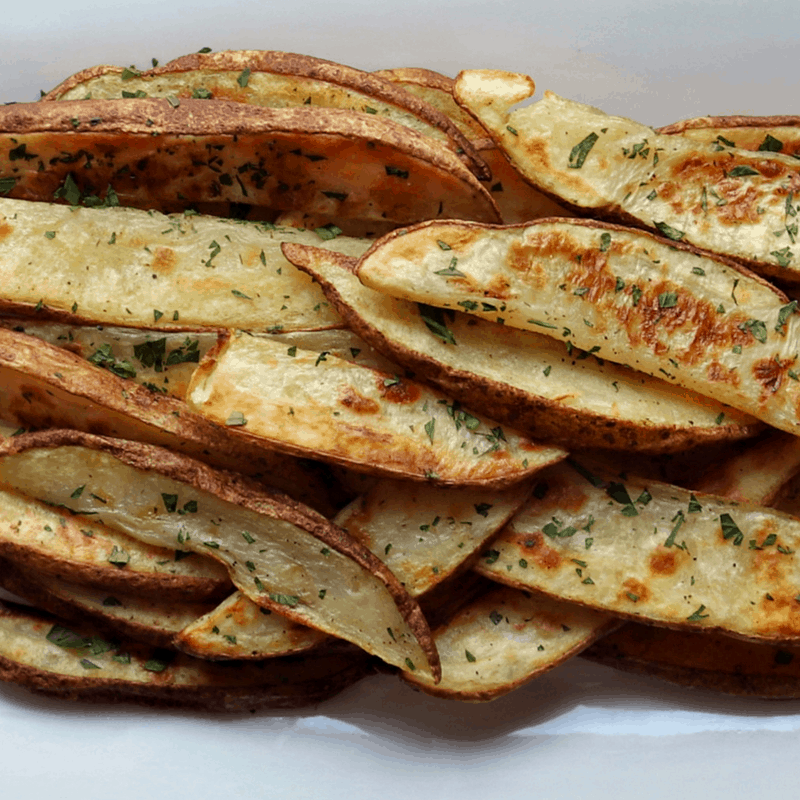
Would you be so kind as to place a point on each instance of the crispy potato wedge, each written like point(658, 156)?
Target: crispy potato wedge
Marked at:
point(654, 552)
point(504, 639)
point(170, 155)
point(780, 134)
point(274, 79)
point(282, 555)
point(150, 619)
point(723, 199)
point(317, 405)
point(529, 380)
point(54, 541)
point(73, 662)
point(133, 268)
point(516, 199)
point(425, 534)
point(701, 661)
point(617, 293)
point(48, 387)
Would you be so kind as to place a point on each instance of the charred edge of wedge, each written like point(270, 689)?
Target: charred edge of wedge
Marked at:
point(783, 683)
point(157, 419)
point(241, 491)
point(149, 118)
point(294, 64)
point(543, 419)
point(15, 579)
point(734, 121)
point(343, 670)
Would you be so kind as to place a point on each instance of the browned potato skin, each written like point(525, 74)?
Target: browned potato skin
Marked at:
point(282, 63)
point(150, 152)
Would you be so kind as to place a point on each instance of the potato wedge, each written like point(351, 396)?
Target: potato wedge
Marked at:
point(48, 387)
point(132, 268)
point(145, 618)
point(516, 199)
point(529, 380)
point(281, 555)
point(506, 638)
point(171, 155)
point(780, 134)
point(274, 79)
point(72, 662)
point(617, 293)
point(701, 661)
point(654, 552)
point(725, 200)
point(54, 541)
point(316, 405)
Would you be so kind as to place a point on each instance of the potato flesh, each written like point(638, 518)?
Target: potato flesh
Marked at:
point(360, 417)
point(283, 566)
point(124, 266)
point(655, 552)
point(726, 200)
point(617, 293)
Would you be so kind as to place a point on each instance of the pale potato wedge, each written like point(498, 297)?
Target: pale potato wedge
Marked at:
point(529, 380)
point(282, 555)
point(425, 534)
point(274, 79)
point(73, 662)
point(654, 552)
point(48, 387)
point(779, 134)
point(134, 268)
point(316, 405)
point(51, 540)
point(504, 639)
point(723, 199)
point(617, 293)
point(226, 152)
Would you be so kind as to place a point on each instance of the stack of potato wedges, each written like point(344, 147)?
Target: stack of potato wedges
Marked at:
point(308, 372)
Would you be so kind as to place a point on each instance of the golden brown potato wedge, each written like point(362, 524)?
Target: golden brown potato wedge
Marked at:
point(614, 292)
point(723, 199)
point(282, 555)
point(530, 381)
point(654, 552)
point(316, 405)
point(171, 155)
point(274, 79)
point(73, 662)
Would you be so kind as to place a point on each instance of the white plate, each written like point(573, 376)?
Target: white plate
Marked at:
point(580, 731)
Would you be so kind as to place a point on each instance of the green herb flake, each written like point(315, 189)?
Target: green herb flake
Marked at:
point(244, 77)
point(580, 151)
point(236, 419)
point(667, 230)
point(697, 615)
point(285, 599)
point(470, 657)
point(730, 530)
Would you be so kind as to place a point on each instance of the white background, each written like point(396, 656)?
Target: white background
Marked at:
point(582, 731)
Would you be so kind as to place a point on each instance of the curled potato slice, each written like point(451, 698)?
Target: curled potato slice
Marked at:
point(282, 555)
point(723, 199)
